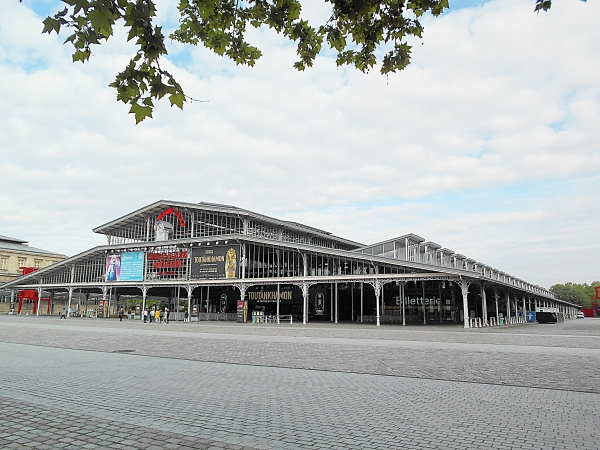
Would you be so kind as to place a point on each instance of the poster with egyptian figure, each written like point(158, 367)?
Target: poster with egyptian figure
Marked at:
point(215, 261)
point(231, 263)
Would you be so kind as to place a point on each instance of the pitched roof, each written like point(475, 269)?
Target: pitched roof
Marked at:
point(11, 239)
point(17, 245)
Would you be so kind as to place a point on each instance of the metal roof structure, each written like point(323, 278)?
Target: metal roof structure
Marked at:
point(155, 208)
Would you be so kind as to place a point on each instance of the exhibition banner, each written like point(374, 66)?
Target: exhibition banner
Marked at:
point(132, 266)
point(127, 266)
point(216, 261)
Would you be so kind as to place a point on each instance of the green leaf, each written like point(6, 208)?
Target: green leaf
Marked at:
point(70, 38)
point(177, 99)
point(141, 112)
point(81, 55)
point(101, 19)
point(50, 24)
point(542, 5)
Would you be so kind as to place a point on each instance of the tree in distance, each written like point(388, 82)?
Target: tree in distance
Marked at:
point(579, 294)
point(355, 30)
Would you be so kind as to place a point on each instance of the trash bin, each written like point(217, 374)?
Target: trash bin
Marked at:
point(501, 321)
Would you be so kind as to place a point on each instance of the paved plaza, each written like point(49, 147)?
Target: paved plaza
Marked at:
point(87, 383)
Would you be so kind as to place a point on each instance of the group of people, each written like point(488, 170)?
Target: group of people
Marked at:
point(130, 314)
point(156, 315)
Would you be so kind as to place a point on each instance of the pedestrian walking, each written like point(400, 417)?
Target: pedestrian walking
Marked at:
point(185, 317)
point(157, 316)
point(166, 315)
point(121, 314)
point(145, 315)
point(63, 315)
point(129, 314)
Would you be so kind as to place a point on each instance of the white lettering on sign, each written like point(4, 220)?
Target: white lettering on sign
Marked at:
point(269, 295)
point(419, 301)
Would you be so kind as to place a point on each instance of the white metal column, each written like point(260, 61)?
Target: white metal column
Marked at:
point(305, 303)
point(377, 294)
point(70, 296)
point(189, 308)
point(464, 287)
point(484, 304)
point(144, 293)
point(39, 302)
point(244, 259)
point(497, 311)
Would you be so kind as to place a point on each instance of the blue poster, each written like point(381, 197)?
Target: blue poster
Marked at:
point(132, 266)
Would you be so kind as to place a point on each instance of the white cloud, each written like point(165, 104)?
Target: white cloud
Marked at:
point(485, 144)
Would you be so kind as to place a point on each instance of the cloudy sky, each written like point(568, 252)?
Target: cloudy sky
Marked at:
point(488, 144)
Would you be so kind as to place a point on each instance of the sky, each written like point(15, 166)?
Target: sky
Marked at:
point(487, 144)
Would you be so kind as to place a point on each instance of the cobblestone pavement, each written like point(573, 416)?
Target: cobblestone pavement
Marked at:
point(563, 356)
point(35, 425)
point(236, 386)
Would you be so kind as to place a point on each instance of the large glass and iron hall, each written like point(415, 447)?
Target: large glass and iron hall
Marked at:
point(219, 259)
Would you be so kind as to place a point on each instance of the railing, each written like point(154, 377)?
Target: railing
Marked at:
point(278, 319)
point(217, 317)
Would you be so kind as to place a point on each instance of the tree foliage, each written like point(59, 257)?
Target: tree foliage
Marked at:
point(579, 294)
point(355, 30)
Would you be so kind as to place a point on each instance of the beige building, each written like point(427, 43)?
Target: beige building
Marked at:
point(15, 254)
